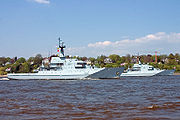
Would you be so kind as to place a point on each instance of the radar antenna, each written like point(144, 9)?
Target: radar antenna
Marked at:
point(61, 46)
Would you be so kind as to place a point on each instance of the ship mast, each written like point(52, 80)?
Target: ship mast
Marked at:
point(61, 46)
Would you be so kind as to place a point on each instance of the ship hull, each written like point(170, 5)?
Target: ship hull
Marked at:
point(155, 73)
point(104, 73)
point(140, 74)
point(43, 77)
point(107, 73)
point(166, 72)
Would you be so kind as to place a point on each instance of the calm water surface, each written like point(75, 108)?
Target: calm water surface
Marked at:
point(133, 98)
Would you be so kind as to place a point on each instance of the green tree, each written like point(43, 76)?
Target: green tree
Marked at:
point(92, 60)
point(15, 67)
point(128, 66)
point(122, 59)
point(108, 65)
point(38, 60)
point(31, 59)
point(3, 61)
point(8, 59)
point(2, 71)
point(177, 56)
point(172, 62)
point(147, 59)
point(162, 58)
point(21, 60)
point(24, 68)
point(177, 68)
point(128, 58)
point(171, 56)
point(115, 58)
point(100, 60)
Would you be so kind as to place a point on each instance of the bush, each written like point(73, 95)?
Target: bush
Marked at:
point(2, 71)
point(24, 68)
point(177, 68)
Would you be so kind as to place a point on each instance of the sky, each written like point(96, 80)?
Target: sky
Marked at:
point(89, 27)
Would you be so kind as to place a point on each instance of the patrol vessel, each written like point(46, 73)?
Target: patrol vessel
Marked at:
point(62, 68)
point(146, 70)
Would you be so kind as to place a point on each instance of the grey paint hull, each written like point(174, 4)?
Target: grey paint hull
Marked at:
point(107, 73)
point(45, 77)
point(102, 74)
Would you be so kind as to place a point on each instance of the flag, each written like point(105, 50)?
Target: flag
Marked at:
point(58, 50)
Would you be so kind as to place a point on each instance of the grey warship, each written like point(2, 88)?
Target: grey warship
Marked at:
point(62, 68)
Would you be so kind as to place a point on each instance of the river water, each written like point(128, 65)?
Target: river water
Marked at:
point(131, 98)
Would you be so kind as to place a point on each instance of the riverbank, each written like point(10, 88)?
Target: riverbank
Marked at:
point(2, 76)
point(176, 73)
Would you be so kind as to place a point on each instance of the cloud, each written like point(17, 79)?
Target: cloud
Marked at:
point(161, 42)
point(42, 1)
point(157, 37)
point(105, 43)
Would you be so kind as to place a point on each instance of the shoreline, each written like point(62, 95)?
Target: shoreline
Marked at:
point(176, 73)
point(2, 76)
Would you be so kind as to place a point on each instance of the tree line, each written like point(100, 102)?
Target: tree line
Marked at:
point(22, 65)
point(19, 65)
point(171, 61)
